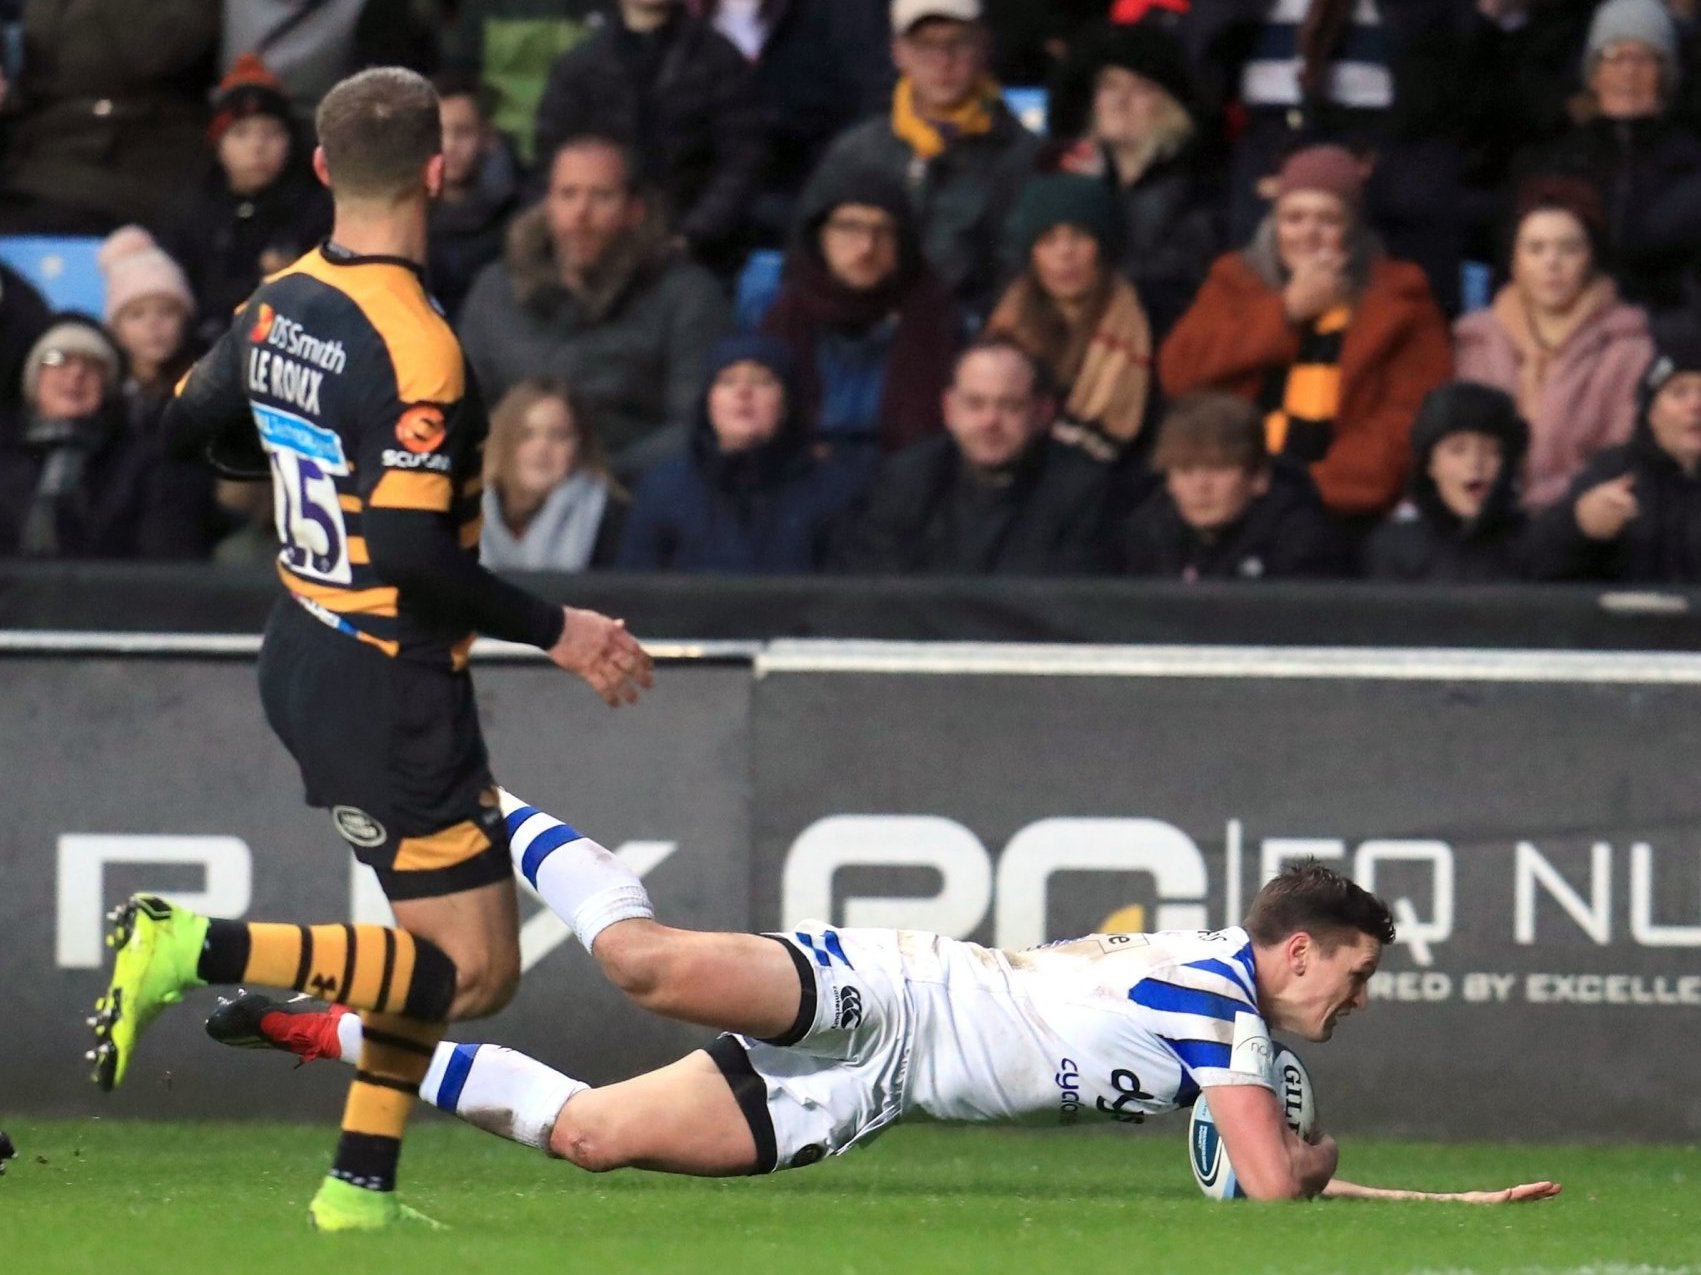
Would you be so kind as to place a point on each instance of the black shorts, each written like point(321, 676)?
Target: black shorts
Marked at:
point(392, 749)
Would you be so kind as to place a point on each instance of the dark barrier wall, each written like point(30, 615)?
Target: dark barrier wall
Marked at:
point(134, 597)
point(1532, 818)
point(114, 769)
point(1538, 840)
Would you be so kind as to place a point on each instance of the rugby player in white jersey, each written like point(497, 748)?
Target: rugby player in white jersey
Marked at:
point(833, 1035)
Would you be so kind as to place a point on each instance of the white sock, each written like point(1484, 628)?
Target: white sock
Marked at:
point(350, 1037)
point(582, 883)
point(499, 1090)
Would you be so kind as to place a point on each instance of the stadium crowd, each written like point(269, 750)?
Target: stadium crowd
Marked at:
point(1405, 289)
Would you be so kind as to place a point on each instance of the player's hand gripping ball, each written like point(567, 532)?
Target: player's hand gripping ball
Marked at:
point(1205, 1150)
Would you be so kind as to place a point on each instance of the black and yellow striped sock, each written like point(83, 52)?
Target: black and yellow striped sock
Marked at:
point(394, 1057)
point(369, 967)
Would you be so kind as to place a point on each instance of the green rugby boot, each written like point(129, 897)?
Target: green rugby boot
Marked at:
point(158, 946)
point(342, 1206)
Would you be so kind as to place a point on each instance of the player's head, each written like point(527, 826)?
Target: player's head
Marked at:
point(1317, 937)
point(380, 137)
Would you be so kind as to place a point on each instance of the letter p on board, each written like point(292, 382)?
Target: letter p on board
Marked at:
point(225, 863)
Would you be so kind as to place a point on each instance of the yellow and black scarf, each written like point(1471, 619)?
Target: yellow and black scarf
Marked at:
point(1302, 400)
point(929, 138)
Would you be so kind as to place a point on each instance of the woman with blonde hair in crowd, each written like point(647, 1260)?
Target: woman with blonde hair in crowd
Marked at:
point(1558, 338)
point(550, 503)
point(1072, 310)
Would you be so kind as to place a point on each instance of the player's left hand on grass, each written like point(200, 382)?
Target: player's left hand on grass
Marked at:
point(601, 651)
point(1511, 1195)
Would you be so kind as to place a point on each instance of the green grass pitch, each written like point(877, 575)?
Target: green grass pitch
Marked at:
point(188, 1199)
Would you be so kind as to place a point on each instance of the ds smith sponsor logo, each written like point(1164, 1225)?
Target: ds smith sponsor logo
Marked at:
point(289, 337)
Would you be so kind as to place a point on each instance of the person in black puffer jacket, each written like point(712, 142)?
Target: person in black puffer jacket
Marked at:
point(678, 93)
point(1462, 523)
point(1225, 512)
point(258, 207)
point(1634, 514)
point(748, 497)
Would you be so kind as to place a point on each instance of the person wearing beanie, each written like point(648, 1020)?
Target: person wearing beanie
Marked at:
point(1071, 309)
point(1123, 111)
point(1633, 516)
point(1460, 523)
point(871, 328)
point(148, 312)
point(1311, 321)
point(258, 206)
point(1558, 338)
point(948, 139)
point(1628, 144)
point(74, 483)
point(748, 498)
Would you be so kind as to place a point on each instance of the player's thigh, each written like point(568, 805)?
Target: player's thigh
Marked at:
point(745, 983)
point(478, 929)
point(681, 1118)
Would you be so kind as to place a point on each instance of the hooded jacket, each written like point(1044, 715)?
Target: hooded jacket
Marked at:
point(1284, 534)
point(873, 363)
point(632, 342)
point(1660, 545)
point(1588, 396)
point(768, 509)
point(1425, 540)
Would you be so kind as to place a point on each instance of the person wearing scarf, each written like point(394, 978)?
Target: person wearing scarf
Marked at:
point(1558, 338)
point(1072, 310)
point(871, 329)
point(949, 140)
point(748, 497)
point(550, 503)
point(1334, 341)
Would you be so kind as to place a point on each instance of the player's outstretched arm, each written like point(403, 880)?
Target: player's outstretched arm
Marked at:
point(601, 651)
point(1339, 1189)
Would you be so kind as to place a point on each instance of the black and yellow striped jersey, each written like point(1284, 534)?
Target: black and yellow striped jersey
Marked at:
point(362, 403)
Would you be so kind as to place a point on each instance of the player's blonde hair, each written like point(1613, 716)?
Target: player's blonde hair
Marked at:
point(378, 130)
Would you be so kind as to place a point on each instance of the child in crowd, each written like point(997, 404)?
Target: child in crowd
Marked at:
point(1224, 511)
point(259, 206)
point(1462, 523)
point(148, 313)
point(550, 503)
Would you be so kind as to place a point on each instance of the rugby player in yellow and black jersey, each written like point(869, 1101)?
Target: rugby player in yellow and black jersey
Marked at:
point(341, 381)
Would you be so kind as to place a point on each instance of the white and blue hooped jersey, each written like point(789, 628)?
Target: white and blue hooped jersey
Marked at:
point(1110, 1026)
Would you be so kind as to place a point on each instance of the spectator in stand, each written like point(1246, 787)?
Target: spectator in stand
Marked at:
point(311, 44)
point(950, 141)
point(748, 498)
point(1380, 77)
point(1633, 516)
point(1646, 165)
point(994, 495)
point(821, 65)
point(592, 289)
point(550, 503)
point(258, 206)
point(1125, 96)
point(871, 329)
point(148, 313)
point(107, 116)
point(1558, 339)
point(1313, 323)
point(1030, 40)
point(1461, 522)
point(682, 97)
point(73, 479)
point(1224, 511)
point(481, 191)
point(24, 316)
point(1071, 309)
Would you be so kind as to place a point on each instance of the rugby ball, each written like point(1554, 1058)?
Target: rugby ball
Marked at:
point(1205, 1152)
